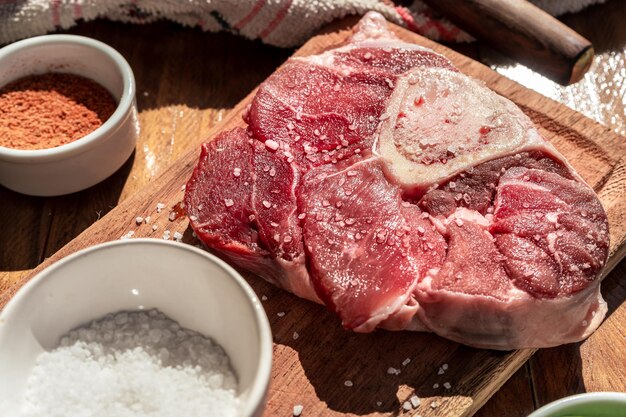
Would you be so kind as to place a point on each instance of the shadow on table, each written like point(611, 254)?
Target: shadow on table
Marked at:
point(314, 358)
point(178, 65)
point(557, 372)
point(33, 228)
point(330, 355)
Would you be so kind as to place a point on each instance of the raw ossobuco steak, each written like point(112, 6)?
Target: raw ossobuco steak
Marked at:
point(378, 180)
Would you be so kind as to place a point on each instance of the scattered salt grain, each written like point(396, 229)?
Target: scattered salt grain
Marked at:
point(139, 220)
point(434, 405)
point(155, 227)
point(267, 204)
point(435, 386)
point(415, 401)
point(447, 385)
point(348, 383)
point(271, 144)
point(183, 187)
point(295, 335)
point(159, 207)
point(178, 237)
point(128, 235)
point(379, 403)
point(297, 410)
point(172, 216)
point(281, 314)
point(393, 371)
point(228, 202)
point(128, 363)
point(407, 406)
point(441, 371)
point(237, 172)
point(444, 366)
point(263, 298)
point(166, 235)
point(148, 218)
point(406, 361)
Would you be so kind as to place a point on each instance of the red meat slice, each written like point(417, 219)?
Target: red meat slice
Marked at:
point(241, 203)
point(552, 231)
point(218, 200)
point(359, 244)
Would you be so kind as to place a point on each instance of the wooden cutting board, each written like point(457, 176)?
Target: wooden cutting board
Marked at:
point(312, 368)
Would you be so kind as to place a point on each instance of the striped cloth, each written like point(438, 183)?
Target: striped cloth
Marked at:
point(284, 23)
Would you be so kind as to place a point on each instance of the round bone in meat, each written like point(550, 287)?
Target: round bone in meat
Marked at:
point(439, 123)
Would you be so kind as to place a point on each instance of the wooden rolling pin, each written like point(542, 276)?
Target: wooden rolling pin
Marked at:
point(523, 31)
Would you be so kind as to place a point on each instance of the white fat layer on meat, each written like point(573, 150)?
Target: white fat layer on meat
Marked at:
point(459, 216)
point(393, 307)
point(523, 317)
point(439, 123)
point(552, 217)
point(297, 279)
point(440, 224)
point(372, 26)
point(529, 185)
point(468, 215)
point(327, 59)
point(353, 167)
point(405, 318)
point(551, 238)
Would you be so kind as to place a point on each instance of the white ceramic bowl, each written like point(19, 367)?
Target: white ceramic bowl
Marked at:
point(191, 286)
point(592, 404)
point(92, 158)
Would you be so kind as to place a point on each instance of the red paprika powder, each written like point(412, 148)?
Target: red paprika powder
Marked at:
point(48, 110)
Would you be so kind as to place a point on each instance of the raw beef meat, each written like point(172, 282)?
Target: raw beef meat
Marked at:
point(378, 180)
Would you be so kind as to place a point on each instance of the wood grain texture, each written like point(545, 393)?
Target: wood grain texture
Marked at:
point(311, 370)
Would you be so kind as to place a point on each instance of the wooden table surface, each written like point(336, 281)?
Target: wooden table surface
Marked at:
point(188, 80)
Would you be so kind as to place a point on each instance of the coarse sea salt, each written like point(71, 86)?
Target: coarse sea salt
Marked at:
point(129, 365)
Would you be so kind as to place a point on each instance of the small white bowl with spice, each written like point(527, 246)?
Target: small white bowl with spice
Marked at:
point(68, 117)
point(135, 327)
